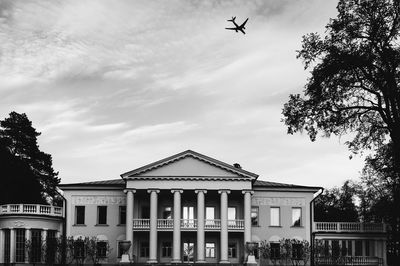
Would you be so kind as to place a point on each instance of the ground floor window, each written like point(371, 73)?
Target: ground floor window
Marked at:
point(275, 251)
point(51, 246)
point(210, 250)
point(144, 249)
point(7, 239)
point(79, 249)
point(101, 248)
point(166, 249)
point(36, 246)
point(232, 250)
point(297, 251)
point(20, 245)
point(358, 249)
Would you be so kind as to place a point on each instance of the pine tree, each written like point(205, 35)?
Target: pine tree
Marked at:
point(20, 138)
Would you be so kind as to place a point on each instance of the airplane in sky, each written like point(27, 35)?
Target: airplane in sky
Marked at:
point(237, 27)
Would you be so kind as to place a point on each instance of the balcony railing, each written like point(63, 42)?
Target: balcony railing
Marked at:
point(187, 224)
point(33, 209)
point(212, 224)
point(349, 227)
point(349, 260)
point(165, 223)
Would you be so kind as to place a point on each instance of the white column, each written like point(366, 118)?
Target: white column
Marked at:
point(153, 225)
point(200, 226)
point(28, 236)
point(224, 226)
point(12, 245)
point(247, 216)
point(129, 219)
point(1, 246)
point(353, 248)
point(176, 248)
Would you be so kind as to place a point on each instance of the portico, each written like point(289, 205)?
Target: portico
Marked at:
point(194, 197)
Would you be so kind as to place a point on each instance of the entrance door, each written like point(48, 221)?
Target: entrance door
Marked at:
point(188, 252)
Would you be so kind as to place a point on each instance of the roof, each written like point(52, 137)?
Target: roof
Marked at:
point(193, 154)
point(121, 183)
point(268, 184)
point(112, 182)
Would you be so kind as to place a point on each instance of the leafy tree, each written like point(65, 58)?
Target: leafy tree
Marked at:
point(354, 83)
point(337, 205)
point(20, 139)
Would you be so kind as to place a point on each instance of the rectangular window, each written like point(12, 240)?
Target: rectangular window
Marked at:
point(275, 216)
point(101, 248)
point(101, 214)
point(51, 247)
point(210, 250)
point(275, 251)
point(335, 248)
point(122, 214)
point(167, 213)
point(166, 249)
point(349, 247)
point(296, 216)
point(366, 247)
point(232, 250)
point(210, 213)
point(232, 216)
point(79, 249)
point(145, 212)
point(254, 216)
point(144, 249)
point(7, 244)
point(297, 251)
point(80, 215)
point(20, 245)
point(36, 249)
point(358, 248)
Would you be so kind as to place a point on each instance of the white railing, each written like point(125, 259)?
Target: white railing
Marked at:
point(188, 223)
point(141, 223)
point(348, 227)
point(212, 224)
point(35, 209)
point(165, 223)
point(236, 224)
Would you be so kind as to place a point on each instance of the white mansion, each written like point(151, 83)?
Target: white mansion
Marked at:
point(184, 208)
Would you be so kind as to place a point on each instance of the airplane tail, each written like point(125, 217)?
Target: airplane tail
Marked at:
point(232, 20)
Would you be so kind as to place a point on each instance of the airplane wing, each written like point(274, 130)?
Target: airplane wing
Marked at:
point(230, 28)
point(244, 23)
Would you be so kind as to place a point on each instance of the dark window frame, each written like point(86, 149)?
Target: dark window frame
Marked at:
point(79, 215)
point(255, 222)
point(102, 215)
point(122, 215)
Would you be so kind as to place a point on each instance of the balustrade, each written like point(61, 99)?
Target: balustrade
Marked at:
point(348, 227)
point(188, 224)
point(34, 209)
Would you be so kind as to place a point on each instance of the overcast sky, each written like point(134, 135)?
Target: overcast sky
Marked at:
point(115, 85)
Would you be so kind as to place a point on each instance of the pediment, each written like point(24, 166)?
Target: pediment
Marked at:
point(189, 164)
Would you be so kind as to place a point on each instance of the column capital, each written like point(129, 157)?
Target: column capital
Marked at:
point(129, 190)
point(227, 191)
point(201, 190)
point(153, 190)
point(177, 190)
point(244, 191)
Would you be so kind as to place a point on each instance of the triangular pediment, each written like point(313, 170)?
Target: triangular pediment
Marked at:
point(189, 164)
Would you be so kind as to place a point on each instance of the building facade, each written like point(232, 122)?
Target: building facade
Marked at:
point(185, 208)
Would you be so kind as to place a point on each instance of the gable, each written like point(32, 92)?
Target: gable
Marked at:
point(189, 166)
